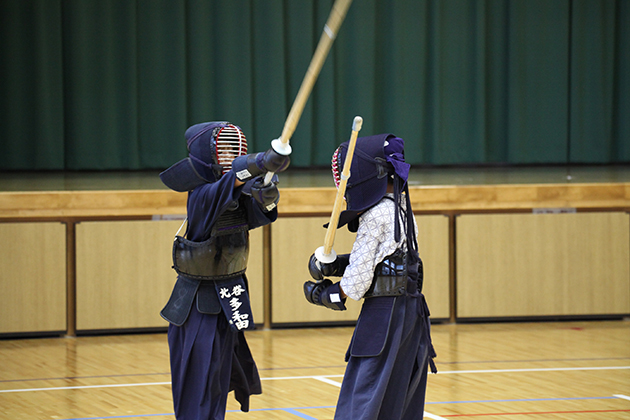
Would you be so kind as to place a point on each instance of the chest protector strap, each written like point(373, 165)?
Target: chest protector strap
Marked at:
point(222, 256)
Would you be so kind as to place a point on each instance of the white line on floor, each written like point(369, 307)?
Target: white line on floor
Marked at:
point(60, 388)
point(532, 370)
point(433, 416)
point(328, 381)
point(324, 378)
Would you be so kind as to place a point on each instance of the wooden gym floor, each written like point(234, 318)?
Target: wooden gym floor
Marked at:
point(543, 370)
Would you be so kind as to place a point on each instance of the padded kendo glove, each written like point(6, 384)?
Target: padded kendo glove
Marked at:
point(325, 293)
point(250, 166)
point(319, 270)
point(266, 195)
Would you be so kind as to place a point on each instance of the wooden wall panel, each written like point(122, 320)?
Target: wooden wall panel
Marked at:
point(511, 265)
point(255, 274)
point(33, 277)
point(293, 240)
point(434, 250)
point(124, 274)
point(100, 200)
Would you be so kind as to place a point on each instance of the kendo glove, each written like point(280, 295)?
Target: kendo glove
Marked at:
point(325, 293)
point(265, 195)
point(319, 270)
point(249, 166)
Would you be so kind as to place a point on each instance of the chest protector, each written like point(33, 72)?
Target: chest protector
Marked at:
point(392, 276)
point(222, 256)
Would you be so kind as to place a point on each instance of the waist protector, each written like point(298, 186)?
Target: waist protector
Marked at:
point(222, 256)
point(390, 276)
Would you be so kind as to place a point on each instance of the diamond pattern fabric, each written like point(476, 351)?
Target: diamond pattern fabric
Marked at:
point(374, 241)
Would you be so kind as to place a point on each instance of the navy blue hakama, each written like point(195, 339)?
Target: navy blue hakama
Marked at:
point(208, 360)
point(390, 384)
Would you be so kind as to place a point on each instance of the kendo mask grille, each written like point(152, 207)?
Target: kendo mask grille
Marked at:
point(230, 144)
point(336, 169)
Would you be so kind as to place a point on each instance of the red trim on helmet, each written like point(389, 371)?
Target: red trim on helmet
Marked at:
point(336, 171)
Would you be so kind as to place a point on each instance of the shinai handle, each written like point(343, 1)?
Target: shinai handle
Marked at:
point(326, 253)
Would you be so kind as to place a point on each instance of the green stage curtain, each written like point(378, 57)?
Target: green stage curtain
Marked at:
point(113, 84)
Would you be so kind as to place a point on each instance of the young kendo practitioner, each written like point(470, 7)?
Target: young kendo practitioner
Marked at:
point(391, 349)
point(209, 308)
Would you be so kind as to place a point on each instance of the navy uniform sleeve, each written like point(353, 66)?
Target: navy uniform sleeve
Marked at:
point(207, 202)
point(256, 217)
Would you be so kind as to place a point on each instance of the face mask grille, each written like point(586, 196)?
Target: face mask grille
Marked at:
point(230, 144)
point(336, 170)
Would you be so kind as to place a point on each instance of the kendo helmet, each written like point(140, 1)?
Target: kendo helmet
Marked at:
point(212, 146)
point(376, 159)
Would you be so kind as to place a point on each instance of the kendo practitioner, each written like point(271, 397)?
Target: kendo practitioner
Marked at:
point(391, 349)
point(209, 307)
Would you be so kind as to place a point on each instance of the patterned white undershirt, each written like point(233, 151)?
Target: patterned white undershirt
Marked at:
point(374, 241)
